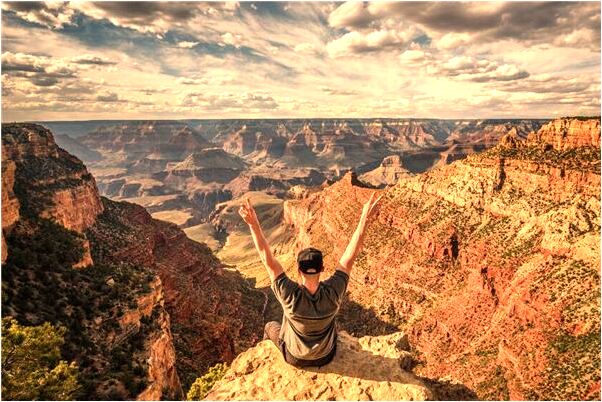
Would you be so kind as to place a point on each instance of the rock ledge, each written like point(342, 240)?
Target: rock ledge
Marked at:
point(367, 368)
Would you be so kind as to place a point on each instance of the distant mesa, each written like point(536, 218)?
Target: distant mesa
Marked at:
point(75, 147)
point(210, 158)
point(388, 173)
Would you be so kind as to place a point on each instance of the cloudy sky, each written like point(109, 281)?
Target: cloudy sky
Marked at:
point(121, 60)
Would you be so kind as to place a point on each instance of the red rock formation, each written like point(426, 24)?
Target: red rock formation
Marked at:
point(491, 264)
point(165, 140)
point(162, 373)
point(388, 173)
point(10, 203)
point(369, 368)
point(75, 207)
point(568, 133)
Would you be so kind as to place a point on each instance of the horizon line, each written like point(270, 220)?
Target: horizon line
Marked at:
point(299, 118)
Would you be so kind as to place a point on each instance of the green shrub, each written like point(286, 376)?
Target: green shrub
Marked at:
point(201, 387)
point(31, 365)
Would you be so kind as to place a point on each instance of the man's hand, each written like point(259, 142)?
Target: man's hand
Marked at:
point(353, 248)
point(370, 205)
point(247, 212)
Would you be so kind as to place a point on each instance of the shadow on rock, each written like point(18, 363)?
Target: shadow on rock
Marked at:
point(360, 321)
point(446, 390)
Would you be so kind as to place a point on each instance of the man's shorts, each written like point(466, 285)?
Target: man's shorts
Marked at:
point(272, 332)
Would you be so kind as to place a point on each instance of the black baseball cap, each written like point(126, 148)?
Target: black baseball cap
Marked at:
point(310, 261)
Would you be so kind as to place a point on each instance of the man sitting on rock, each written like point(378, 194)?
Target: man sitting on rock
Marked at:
point(307, 336)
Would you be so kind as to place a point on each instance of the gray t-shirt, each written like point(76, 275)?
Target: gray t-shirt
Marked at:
point(308, 325)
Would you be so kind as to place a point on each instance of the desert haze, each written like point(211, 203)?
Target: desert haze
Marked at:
point(166, 165)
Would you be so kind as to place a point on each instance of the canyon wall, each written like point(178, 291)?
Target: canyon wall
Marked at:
point(215, 314)
point(145, 304)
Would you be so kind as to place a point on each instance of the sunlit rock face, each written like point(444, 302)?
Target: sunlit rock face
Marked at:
point(490, 264)
point(50, 182)
point(567, 133)
point(58, 185)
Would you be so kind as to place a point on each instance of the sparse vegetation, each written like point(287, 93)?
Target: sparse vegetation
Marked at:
point(201, 387)
point(585, 158)
point(495, 387)
point(39, 285)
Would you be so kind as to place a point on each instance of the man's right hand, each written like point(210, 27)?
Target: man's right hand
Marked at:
point(247, 213)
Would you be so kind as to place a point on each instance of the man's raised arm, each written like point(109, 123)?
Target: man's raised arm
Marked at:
point(353, 248)
point(248, 214)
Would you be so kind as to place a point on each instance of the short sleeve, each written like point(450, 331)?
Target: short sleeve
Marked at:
point(284, 288)
point(338, 283)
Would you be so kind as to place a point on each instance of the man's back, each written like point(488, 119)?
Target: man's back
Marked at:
point(308, 331)
point(308, 325)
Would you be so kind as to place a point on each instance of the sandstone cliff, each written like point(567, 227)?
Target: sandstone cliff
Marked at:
point(490, 264)
point(10, 203)
point(49, 182)
point(59, 186)
point(567, 133)
point(162, 374)
point(369, 368)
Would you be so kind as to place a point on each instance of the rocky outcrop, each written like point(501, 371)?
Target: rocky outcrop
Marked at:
point(52, 183)
point(75, 207)
point(209, 165)
point(369, 368)
point(58, 186)
point(162, 374)
point(273, 180)
point(388, 173)
point(489, 132)
point(490, 264)
point(249, 139)
point(10, 203)
point(410, 134)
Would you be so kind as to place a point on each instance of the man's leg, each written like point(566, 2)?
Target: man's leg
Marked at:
point(272, 332)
